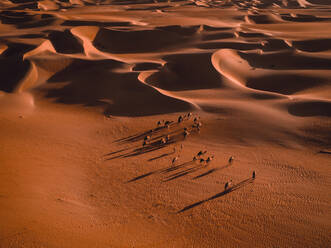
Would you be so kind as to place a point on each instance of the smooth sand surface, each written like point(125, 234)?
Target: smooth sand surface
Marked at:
point(84, 81)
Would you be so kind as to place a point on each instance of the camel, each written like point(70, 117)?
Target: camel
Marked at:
point(163, 141)
point(167, 124)
point(201, 153)
point(209, 159)
point(186, 133)
point(174, 160)
point(226, 186)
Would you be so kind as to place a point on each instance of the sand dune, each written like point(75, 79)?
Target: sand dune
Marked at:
point(84, 81)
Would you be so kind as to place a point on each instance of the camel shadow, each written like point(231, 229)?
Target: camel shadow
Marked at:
point(138, 136)
point(191, 170)
point(155, 145)
point(210, 172)
point(324, 152)
point(142, 176)
point(227, 191)
point(161, 156)
point(121, 150)
point(165, 170)
point(173, 168)
point(142, 150)
point(182, 173)
point(137, 147)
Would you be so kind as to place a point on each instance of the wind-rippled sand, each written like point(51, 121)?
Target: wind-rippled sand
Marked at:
point(84, 81)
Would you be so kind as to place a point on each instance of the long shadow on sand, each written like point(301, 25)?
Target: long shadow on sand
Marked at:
point(155, 145)
point(182, 173)
point(142, 150)
point(141, 135)
point(161, 156)
point(233, 188)
point(193, 169)
point(210, 171)
point(324, 152)
point(164, 170)
point(138, 136)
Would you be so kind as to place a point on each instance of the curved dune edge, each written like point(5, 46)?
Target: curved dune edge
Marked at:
point(144, 75)
point(282, 81)
point(230, 63)
point(45, 46)
point(47, 5)
point(263, 19)
point(41, 72)
point(225, 60)
point(86, 35)
point(83, 82)
point(112, 80)
point(44, 62)
point(186, 71)
point(29, 79)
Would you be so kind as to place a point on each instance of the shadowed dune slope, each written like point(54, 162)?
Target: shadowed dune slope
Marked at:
point(65, 42)
point(310, 108)
point(12, 71)
point(135, 41)
point(98, 83)
point(107, 105)
point(186, 72)
point(176, 58)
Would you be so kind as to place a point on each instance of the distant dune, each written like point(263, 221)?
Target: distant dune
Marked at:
point(84, 81)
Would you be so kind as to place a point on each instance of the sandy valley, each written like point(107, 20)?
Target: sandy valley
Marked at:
point(84, 82)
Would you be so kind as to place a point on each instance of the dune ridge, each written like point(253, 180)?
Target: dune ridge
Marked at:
point(91, 42)
point(83, 82)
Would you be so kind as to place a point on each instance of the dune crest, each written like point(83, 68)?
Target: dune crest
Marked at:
point(165, 123)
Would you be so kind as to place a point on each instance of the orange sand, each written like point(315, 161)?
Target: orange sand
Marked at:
point(83, 81)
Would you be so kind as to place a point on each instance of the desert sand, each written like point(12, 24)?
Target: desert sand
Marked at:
point(83, 82)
